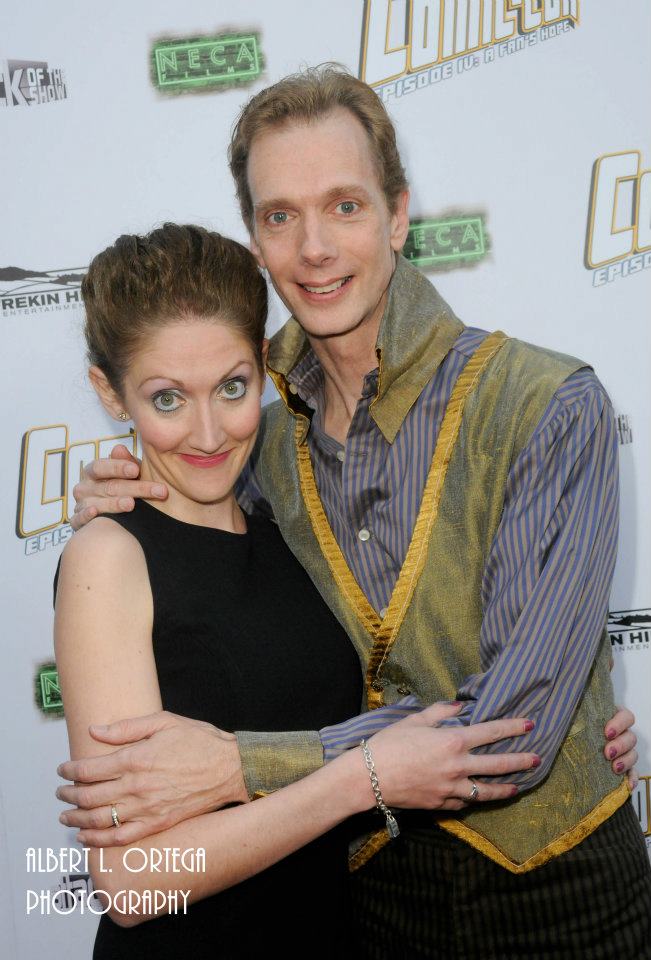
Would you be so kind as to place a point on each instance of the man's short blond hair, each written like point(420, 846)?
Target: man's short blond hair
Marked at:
point(305, 97)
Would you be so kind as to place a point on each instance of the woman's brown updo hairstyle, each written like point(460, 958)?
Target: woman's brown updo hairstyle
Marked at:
point(171, 275)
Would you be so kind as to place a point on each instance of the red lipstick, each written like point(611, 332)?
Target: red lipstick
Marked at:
point(214, 460)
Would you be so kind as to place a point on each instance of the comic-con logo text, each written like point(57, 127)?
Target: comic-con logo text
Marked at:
point(408, 37)
point(619, 217)
point(50, 466)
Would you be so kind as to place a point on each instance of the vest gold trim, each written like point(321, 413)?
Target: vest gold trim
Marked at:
point(571, 838)
point(384, 631)
point(437, 644)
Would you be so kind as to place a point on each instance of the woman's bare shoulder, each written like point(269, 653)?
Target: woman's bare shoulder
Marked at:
point(103, 552)
point(104, 597)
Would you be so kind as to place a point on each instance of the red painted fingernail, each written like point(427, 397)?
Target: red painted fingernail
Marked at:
point(619, 767)
point(528, 725)
point(536, 762)
point(612, 753)
point(611, 734)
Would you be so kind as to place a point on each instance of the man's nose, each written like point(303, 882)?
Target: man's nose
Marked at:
point(317, 240)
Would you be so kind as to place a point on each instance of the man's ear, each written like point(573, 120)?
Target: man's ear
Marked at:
point(257, 252)
point(400, 221)
point(107, 395)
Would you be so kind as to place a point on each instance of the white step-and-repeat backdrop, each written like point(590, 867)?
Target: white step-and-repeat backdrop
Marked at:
point(524, 127)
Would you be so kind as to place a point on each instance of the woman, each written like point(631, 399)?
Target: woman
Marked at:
point(223, 624)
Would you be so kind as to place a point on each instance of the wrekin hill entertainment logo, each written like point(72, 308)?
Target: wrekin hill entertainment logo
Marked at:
point(411, 44)
point(38, 291)
point(206, 63)
point(25, 83)
point(630, 630)
point(50, 466)
point(618, 242)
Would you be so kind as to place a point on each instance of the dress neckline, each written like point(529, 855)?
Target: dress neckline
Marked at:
point(152, 510)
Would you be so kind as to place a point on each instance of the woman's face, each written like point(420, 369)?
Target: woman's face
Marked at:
point(193, 391)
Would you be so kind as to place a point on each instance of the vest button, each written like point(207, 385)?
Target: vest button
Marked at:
point(403, 691)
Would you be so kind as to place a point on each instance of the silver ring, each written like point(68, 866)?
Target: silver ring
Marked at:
point(114, 816)
point(474, 793)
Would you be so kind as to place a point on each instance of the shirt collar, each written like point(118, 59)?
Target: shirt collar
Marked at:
point(416, 332)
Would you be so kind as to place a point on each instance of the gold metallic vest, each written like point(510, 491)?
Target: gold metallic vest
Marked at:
point(428, 641)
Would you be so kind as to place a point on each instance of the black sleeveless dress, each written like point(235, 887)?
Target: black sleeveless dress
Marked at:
point(243, 640)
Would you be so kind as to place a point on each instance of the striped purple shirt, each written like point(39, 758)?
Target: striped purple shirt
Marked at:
point(548, 573)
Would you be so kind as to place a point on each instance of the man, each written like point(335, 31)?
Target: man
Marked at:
point(453, 496)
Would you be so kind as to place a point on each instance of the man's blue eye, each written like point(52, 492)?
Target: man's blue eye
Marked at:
point(279, 217)
point(347, 206)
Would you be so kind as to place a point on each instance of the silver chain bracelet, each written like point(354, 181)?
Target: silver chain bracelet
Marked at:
point(392, 824)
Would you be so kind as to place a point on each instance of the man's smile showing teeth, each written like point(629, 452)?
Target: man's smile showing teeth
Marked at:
point(327, 288)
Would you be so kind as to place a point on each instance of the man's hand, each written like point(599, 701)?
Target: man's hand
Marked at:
point(620, 745)
point(109, 486)
point(173, 769)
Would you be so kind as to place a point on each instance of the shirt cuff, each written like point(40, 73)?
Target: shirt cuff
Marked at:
point(273, 760)
point(340, 737)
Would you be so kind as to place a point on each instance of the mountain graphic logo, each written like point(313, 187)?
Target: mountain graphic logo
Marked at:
point(630, 629)
point(16, 281)
point(629, 620)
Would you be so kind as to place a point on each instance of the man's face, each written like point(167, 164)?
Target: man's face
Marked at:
point(322, 225)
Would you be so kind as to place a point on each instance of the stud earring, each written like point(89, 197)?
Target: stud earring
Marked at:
point(123, 415)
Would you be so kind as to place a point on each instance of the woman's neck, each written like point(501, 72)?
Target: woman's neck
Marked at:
point(225, 514)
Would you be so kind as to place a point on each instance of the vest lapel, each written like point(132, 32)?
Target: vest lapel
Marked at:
point(383, 632)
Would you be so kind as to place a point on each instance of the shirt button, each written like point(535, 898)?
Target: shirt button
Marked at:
point(341, 456)
point(383, 612)
point(293, 388)
point(364, 534)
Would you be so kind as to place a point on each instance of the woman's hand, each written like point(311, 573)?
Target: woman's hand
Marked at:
point(421, 767)
point(621, 744)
